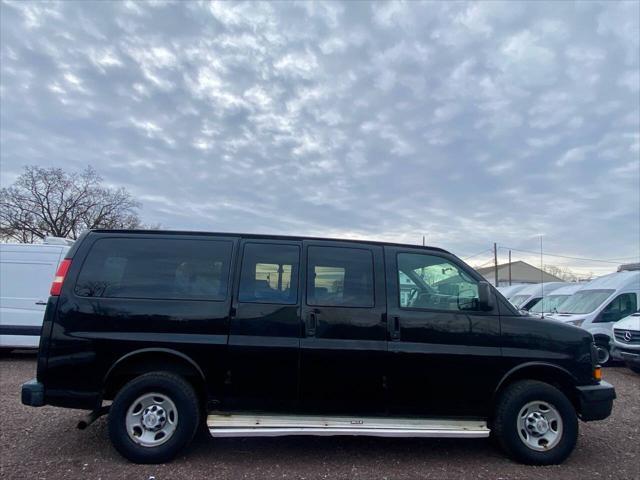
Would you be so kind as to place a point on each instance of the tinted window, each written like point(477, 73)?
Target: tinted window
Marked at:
point(431, 282)
point(156, 268)
point(340, 277)
point(269, 273)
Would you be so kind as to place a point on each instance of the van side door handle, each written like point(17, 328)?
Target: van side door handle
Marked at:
point(394, 327)
point(312, 322)
point(41, 302)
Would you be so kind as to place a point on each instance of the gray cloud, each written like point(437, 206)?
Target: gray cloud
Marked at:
point(470, 123)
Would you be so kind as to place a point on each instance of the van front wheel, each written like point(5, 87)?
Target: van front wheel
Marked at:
point(535, 423)
point(153, 417)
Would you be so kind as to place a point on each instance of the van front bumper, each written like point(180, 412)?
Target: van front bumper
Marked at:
point(596, 401)
point(33, 393)
point(631, 357)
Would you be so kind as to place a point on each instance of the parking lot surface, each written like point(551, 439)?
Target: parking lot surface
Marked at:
point(44, 443)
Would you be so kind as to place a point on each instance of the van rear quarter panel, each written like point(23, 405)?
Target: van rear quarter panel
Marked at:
point(90, 334)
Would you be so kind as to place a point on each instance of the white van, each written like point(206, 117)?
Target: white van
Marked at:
point(552, 302)
point(509, 291)
point(626, 340)
point(26, 273)
point(529, 296)
point(601, 303)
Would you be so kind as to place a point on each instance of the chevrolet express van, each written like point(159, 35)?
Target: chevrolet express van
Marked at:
point(263, 335)
point(601, 303)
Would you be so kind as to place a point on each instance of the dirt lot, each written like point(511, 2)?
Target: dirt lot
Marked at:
point(44, 443)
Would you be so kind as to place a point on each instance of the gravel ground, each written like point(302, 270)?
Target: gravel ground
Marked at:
point(43, 443)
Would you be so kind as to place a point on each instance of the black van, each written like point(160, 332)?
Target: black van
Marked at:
point(258, 335)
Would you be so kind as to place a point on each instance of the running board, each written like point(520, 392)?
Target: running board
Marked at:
point(257, 425)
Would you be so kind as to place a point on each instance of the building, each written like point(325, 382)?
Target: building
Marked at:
point(521, 272)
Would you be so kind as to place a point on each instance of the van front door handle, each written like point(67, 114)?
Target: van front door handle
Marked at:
point(395, 327)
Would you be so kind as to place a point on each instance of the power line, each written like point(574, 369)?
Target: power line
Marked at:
point(479, 253)
point(484, 264)
point(614, 261)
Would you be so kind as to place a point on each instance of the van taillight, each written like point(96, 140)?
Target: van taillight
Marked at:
point(58, 280)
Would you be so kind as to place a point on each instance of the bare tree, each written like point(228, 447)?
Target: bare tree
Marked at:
point(563, 273)
point(50, 201)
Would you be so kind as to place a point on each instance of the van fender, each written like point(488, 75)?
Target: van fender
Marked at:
point(603, 334)
point(537, 367)
point(147, 351)
point(601, 330)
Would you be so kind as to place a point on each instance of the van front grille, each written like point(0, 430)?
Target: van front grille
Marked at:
point(630, 337)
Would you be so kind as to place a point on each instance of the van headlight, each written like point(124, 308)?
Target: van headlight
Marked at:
point(577, 323)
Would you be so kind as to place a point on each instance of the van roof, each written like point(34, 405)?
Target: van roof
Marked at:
point(536, 288)
point(616, 281)
point(260, 236)
point(569, 289)
point(509, 289)
point(36, 247)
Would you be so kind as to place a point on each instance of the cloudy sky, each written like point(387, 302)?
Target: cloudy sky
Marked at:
point(471, 123)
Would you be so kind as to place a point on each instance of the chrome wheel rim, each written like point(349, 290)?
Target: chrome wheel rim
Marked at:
point(151, 419)
point(539, 426)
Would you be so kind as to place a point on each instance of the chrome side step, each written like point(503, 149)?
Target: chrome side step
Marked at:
point(259, 425)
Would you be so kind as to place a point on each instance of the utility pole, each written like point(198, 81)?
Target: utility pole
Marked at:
point(423, 240)
point(509, 267)
point(495, 263)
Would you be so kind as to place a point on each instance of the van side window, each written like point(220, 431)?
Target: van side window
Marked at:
point(269, 273)
point(434, 283)
point(621, 306)
point(340, 277)
point(156, 269)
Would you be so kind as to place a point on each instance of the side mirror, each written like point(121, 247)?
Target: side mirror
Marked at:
point(485, 296)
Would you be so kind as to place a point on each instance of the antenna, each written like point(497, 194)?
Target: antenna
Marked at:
point(541, 276)
point(495, 264)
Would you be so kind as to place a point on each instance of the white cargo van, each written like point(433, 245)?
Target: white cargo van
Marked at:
point(509, 291)
point(601, 303)
point(26, 273)
point(552, 302)
point(529, 296)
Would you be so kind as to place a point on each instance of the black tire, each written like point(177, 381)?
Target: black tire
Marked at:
point(505, 422)
point(604, 351)
point(184, 397)
point(634, 368)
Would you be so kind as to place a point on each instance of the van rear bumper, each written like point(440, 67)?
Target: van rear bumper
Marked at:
point(596, 401)
point(33, 393)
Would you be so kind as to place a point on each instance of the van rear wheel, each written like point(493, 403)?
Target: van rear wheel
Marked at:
point(153, 417)
point(535, 423)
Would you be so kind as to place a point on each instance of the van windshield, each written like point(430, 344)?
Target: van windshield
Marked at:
point(549, 303)
point(518, 299)
point(585, 301)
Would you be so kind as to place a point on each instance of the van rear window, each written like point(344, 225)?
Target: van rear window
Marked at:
point(178, 269)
